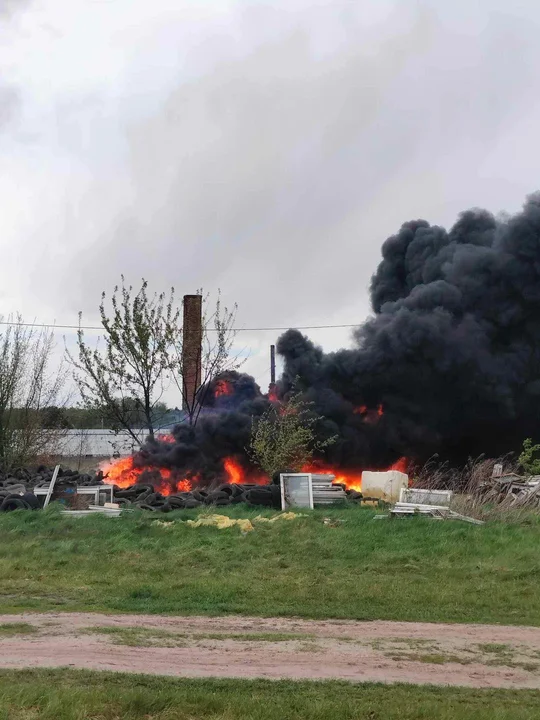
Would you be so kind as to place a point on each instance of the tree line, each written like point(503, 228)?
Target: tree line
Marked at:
point(54, 417)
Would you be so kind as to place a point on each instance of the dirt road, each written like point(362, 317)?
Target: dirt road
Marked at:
point(469, 655)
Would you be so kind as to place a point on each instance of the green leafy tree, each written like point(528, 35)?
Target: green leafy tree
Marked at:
point(284, 437)
point(530, 457)
point(128, 378)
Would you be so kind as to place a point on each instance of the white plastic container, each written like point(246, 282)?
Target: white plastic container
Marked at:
point(384, 485)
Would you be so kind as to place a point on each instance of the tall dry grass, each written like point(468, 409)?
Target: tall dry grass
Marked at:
point(476, 493)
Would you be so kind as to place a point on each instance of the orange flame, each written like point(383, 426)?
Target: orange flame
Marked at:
point(166, 438)
point(124, 474)
point(352, 479)
point(360, 410)
point(237, 475)
point(369, 415)
point(223, 387)
point(400, 465)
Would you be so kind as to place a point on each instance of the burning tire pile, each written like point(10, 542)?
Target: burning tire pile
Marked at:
point(144, 496)
point(17, 492)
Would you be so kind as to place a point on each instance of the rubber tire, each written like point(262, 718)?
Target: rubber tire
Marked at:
point(177, 502)
point(214, 497)
point(222, 502)
point(31, 500)
point(16, 489)
point(226, 488)
point(13, 503)
point(259, 496)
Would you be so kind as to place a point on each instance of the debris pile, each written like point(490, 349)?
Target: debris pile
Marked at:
point(511, 491)
point(428, 503)
point(18, 488)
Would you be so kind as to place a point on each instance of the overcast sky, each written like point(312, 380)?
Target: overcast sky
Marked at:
point(265, 148)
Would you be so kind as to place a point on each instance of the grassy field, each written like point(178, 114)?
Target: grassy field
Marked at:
point(413, 569)
point(73, 695)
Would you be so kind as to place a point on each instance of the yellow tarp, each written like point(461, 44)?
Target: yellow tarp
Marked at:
point(223, 521)
point(283, 516)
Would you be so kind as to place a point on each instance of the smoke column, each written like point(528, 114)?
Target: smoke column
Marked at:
point(452, 352)
point(449, 363)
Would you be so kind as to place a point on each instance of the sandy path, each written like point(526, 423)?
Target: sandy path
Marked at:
point(470, 655)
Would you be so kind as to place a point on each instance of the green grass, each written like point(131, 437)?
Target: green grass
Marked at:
point(431, 652)
point(254, 637)
point(154, 637)
point(413, 569)
point(497, 648)
point(432, 658)
point(409, 642)
point(140, 637)
point(16, 628)
point(74, 695)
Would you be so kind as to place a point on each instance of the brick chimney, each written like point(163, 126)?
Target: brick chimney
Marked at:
point(191, 350)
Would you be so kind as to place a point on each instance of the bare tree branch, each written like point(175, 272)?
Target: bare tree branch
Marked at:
point(27, 386)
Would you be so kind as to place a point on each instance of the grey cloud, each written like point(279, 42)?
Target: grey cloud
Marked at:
point(8, 7)
point(276, 174)
point(278, 171)
point(9, 103)
point(9, 94)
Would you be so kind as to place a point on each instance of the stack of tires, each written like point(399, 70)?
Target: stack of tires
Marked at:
point(15, 497)
point(146, 498)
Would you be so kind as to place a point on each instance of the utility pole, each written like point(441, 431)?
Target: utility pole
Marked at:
point(272, 394)
point(272, 364)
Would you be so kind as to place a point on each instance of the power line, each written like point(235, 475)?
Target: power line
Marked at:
point(253, 329)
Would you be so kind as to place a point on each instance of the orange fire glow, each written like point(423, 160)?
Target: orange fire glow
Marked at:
point(223, 387)
point(166, 438)
point(369, 415)
point(360, 410)
point(236, 474)
point(124, 474)
point(352, 479)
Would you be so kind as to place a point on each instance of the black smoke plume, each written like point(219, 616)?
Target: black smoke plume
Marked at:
point(452, 352)
point(222, 430)
point(449, 363)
